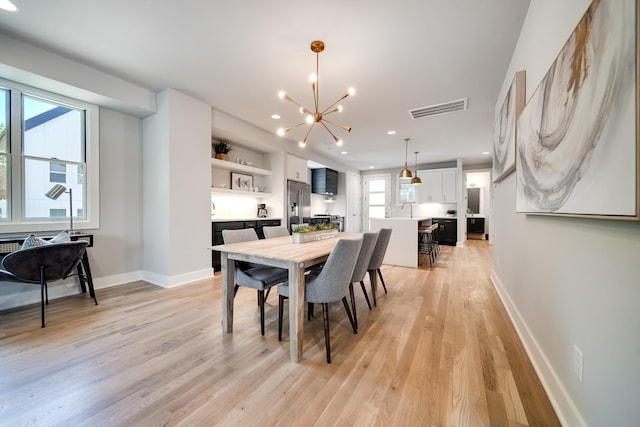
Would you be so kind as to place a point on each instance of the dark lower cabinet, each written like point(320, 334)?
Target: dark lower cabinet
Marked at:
point(447, 231)
point(475, 225)
point(216, 233)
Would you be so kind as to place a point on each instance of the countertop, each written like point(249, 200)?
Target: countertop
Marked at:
point(220, 219)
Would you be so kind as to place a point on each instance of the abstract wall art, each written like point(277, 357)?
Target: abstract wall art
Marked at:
point(505, 131)
point(577, 140)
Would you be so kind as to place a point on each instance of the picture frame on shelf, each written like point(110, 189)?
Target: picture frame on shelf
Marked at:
point(241, 181)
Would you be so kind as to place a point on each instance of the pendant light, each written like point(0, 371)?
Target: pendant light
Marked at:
point(405, 173)
point(416, 179)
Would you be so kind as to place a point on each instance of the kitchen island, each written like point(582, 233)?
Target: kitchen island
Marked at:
point(403, 245)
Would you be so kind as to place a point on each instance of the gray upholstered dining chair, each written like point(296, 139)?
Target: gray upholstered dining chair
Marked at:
point(329, 285)
point(376, 260)
point(274, 231)
point(256, 276)
point(368, 245)
point(42, 265)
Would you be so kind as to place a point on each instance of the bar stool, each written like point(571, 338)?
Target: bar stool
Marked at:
point(427, 245)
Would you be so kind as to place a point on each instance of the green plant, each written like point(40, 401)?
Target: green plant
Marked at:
point(222, 147)
point(451, 212)
point(316, 227)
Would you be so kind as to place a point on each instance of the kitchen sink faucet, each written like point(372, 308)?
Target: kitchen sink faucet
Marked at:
point(410, 207)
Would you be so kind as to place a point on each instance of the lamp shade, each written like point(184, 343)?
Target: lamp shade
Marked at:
point(56, 191)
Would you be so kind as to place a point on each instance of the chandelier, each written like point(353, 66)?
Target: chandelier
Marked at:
point(317, 116)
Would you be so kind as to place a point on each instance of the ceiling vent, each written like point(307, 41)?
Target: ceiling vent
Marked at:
point(445, 107)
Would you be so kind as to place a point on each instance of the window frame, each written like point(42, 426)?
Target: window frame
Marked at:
point(16, 221)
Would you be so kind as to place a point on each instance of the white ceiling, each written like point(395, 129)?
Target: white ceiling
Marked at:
point(237, 55)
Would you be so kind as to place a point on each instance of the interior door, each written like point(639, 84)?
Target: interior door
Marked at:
point(377, 197)
point(354, 203)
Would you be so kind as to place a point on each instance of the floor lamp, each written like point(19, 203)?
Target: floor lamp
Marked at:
point(55, 192)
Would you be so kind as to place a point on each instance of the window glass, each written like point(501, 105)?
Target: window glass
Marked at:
point(4, 150)
point(57, 172)
point(53, 141)
point(406, 191)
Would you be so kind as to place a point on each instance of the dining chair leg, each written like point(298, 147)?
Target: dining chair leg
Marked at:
point(346, 307)
point(382, 281)
point(280, 310)
point(327, 345)
point(372, 279)
point(353, 304)
point(42, 288)
point(309, 310)
point(261, 305)
point(366, 296)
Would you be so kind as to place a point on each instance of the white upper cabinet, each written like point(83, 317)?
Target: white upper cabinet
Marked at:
point(449, 193)
point(297, 169)
point(438, 186)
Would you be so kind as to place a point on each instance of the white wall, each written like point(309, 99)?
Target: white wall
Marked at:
point(569, 281)
point(176, 187)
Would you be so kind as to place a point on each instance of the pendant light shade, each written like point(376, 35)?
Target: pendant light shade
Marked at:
point(416, 179)
point(405, 173)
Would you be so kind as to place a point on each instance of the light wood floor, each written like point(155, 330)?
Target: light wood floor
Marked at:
point(437, 350)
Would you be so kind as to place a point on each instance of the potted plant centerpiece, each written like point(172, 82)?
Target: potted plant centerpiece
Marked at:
point(222, 149)
point(451, 212)
point(303, 234)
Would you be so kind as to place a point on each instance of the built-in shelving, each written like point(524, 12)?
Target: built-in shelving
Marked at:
point(224, 164)
point(216, 190)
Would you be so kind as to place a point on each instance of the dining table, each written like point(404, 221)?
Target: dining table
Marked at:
point(277, 252)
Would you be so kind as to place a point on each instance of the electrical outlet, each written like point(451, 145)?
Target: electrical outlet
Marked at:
point(578, 362)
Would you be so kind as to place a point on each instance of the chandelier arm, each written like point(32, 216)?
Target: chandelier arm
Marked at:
point(304, 140)
point(334, 104)
point(293, 127)
point(290, 99)
point(335, 138)
point(343, 127)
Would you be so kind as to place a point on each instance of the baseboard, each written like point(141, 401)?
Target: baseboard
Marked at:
point(560, 399)
point(177, 280)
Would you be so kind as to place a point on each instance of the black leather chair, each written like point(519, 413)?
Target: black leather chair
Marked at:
point(43, 264)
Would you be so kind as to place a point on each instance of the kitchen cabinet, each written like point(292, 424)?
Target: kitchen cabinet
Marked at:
point(297, 169)
point(447, 231)
point(217, 227)
point(475, 225)
point(438, 186)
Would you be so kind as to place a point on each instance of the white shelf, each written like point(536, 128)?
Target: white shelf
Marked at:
point(215, 190)
point(224, 164)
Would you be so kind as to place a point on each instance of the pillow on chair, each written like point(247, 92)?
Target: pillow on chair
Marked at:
point(32, 240)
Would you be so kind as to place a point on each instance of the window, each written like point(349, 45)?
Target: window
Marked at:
point(406, 191)
point(56, 143)
point(4, 152)
point(58, 213)
point(57, 172)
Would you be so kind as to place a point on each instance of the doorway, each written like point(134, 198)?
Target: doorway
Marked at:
point(377, 203)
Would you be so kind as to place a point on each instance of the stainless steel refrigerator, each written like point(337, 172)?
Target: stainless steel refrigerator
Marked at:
point(298, 203)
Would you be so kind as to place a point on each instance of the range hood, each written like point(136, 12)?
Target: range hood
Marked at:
point(324, 181)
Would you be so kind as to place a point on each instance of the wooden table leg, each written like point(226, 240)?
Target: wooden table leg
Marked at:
point(228, 279)
point(296, 310)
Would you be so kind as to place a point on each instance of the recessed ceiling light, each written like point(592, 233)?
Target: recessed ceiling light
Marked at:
point(372, 167)
point(7, 5)
point(485, 152)
point(343, 152)
point(391, 132)
point(273, 116)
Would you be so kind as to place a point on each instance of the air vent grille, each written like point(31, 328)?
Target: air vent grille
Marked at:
point(445, 107)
